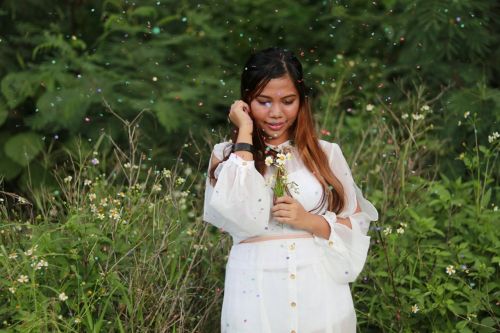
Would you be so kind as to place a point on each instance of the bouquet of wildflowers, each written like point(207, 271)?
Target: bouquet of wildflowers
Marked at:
point(277, 159)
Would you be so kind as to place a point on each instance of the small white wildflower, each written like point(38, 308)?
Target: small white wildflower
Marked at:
point(77, 320)
point(425, 108)
point(494, 136)
point(188, 171)
point(387, 231)
point(100, 216)
point(114, 214)
point(94, 161)
point(280, 159)
point(68, 179)
point(180, 180)
point(127, 165)
point(156, 188)
point(87, 182)
point(42, 263)
point(450, 270)
point(167, 173)
point(404, 116)
point(92, 196)
point(466, 114)
point(269, 160)
point(417, 116)
point(63, 297)
point(22, 279)
point(369, 107)
point(12, 290)
point(415, 308)
point(13, 255)
point(200, 247)
point(400, 230)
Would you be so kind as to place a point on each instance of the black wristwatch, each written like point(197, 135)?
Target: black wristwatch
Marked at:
point(240, 146)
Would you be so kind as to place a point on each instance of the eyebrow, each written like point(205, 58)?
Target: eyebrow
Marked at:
point(291, 95)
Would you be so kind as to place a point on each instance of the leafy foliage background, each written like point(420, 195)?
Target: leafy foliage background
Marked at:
point(75, 77)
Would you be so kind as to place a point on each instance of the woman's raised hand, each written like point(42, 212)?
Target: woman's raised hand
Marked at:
point(240, 115)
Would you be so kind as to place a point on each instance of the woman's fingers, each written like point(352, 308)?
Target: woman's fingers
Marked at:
point(285, 199)
point(239, 113)
point(283, 214)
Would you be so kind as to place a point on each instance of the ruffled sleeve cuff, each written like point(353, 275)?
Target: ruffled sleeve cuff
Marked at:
point(345, 250)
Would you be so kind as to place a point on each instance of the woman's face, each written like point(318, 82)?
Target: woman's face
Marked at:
point(275, 109)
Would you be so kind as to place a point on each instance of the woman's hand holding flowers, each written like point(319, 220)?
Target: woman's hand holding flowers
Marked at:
point(290, 211)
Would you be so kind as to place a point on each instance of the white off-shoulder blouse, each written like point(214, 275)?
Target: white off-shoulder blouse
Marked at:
point(241, 201)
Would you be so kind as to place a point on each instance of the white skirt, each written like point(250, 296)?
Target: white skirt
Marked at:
point(278, 286)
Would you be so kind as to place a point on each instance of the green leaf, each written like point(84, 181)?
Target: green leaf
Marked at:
point(145, 11)
point(23, 147)
point(16, 87)
point(488, 321)
point(455, 308)
point(60, 109)
point(168, 116)
point(8, 168)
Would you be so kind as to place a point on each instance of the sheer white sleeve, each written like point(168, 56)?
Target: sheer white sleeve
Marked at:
point(346, 249)
point(239, 202)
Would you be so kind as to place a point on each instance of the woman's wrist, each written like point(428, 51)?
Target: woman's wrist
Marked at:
point(318, 226)
point(246, 130)
point(245, 136)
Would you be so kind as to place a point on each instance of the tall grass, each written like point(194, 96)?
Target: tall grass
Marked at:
point(120, 246)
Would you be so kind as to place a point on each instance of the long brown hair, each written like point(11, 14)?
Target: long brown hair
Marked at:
point(274, 63)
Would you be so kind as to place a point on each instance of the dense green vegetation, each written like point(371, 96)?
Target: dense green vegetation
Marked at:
point(109, 110)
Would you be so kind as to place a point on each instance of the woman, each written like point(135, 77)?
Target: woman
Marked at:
point(292, 256)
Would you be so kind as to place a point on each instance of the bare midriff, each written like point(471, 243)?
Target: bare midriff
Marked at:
point(275, 237)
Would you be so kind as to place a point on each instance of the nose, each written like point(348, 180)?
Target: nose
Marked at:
point(275, 110)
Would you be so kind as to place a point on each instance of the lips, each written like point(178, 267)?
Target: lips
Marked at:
point(275, 126)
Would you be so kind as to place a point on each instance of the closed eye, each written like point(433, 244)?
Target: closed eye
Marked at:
point(267, 103)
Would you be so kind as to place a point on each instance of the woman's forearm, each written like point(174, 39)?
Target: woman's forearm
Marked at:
point(319, 227)
point(245, 136)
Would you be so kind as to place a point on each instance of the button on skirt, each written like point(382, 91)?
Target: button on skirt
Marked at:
point(281, 285)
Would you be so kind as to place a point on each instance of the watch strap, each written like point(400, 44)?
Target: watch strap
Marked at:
point(241, 146)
